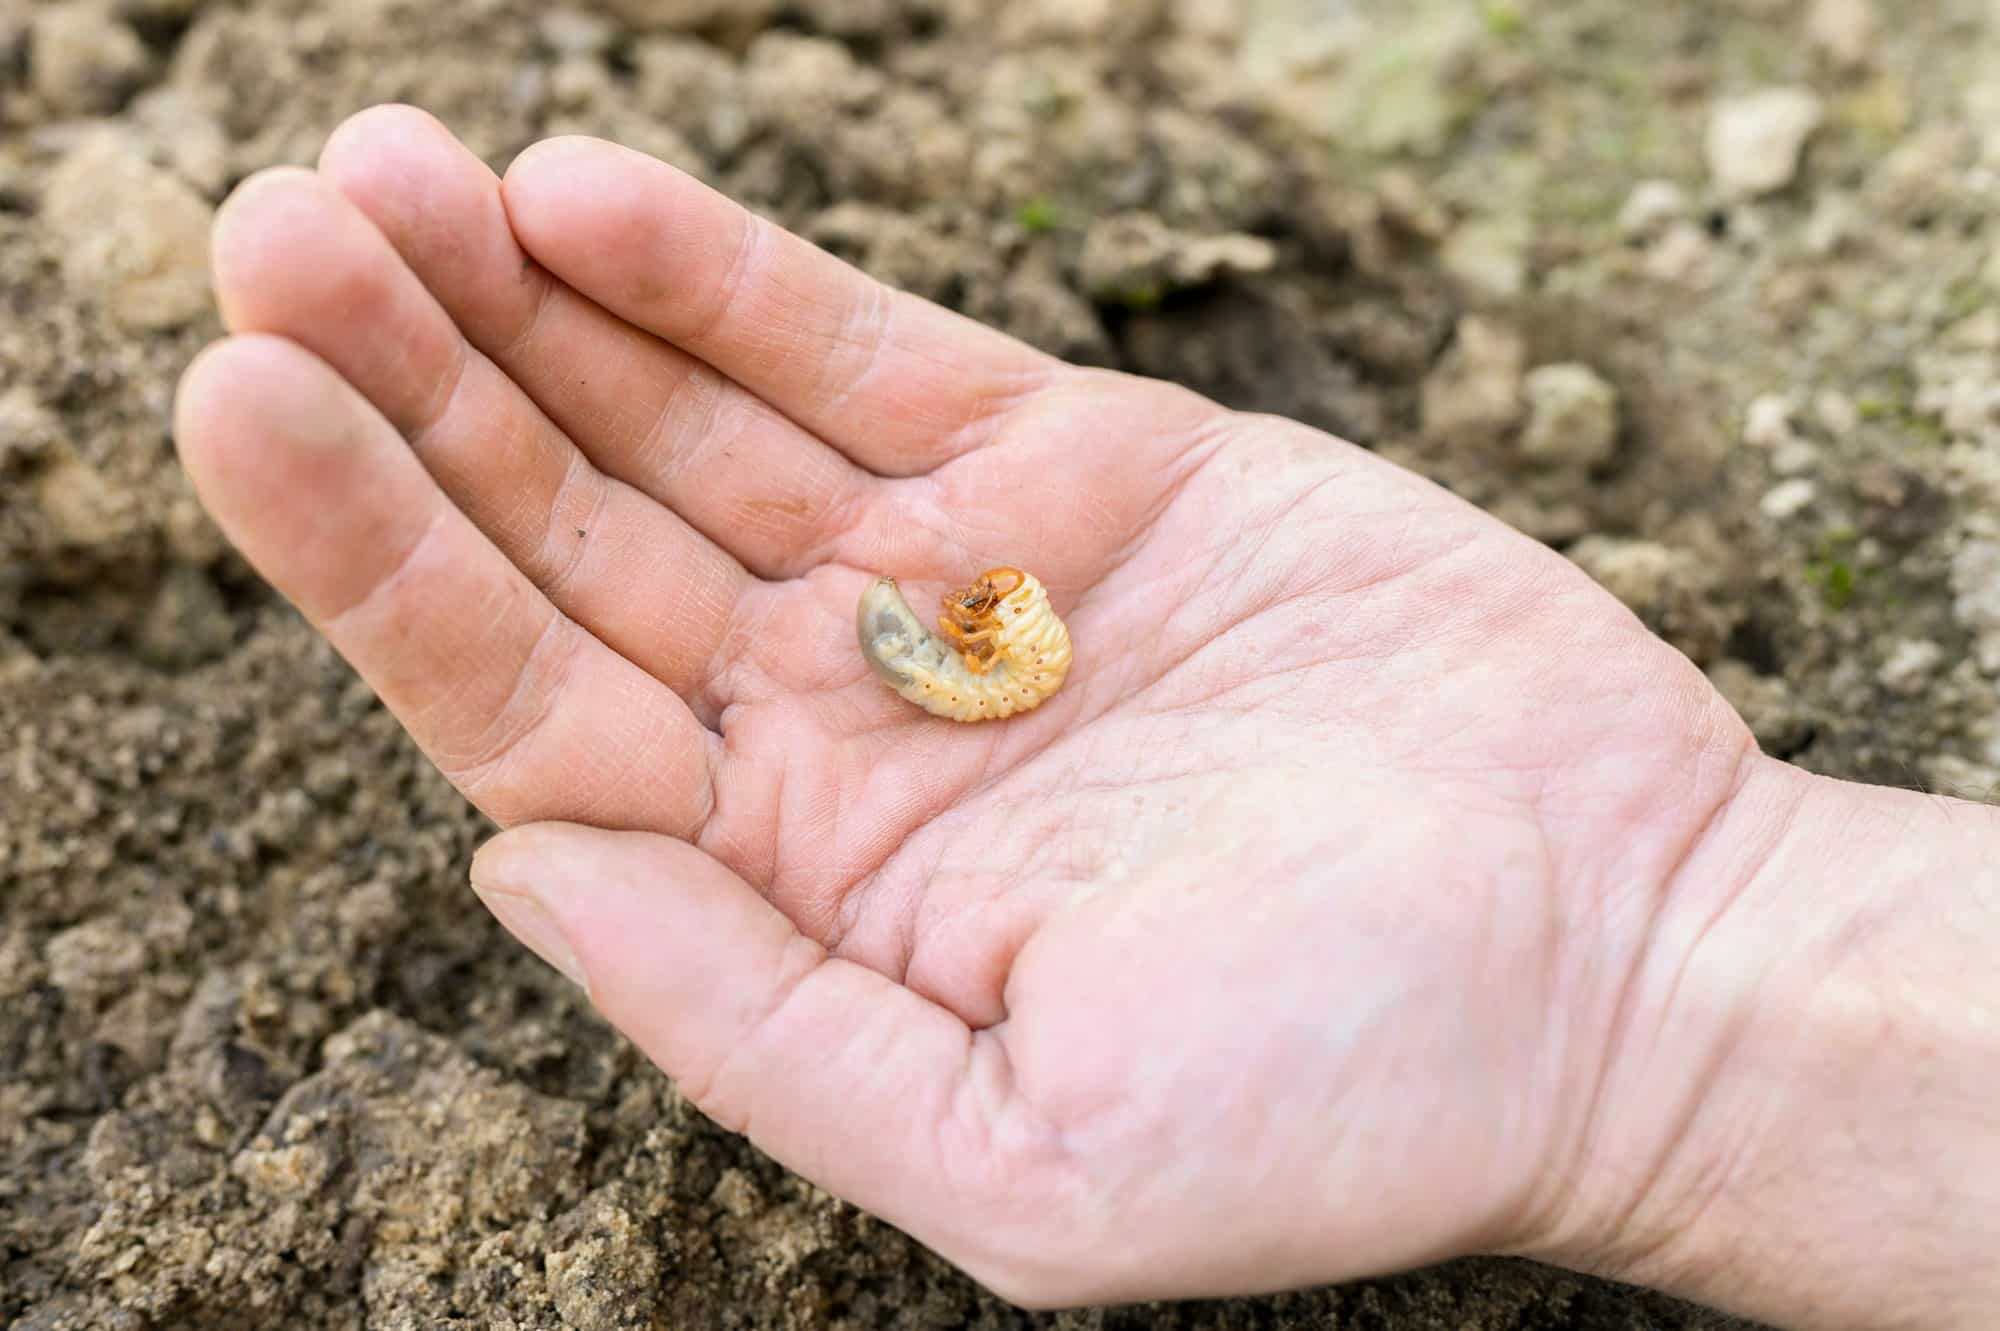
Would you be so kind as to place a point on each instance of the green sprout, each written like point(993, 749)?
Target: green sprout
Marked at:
point(1503, 18)
point(1832, 571)
point(1038, 214)
point(1140, 296)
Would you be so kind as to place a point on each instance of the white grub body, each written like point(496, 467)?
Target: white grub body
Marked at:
point(1030, 659)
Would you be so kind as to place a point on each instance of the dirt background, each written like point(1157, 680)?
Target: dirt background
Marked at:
point(263, 1059)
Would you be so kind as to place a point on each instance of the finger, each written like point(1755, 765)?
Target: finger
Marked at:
point(845, 1076)
point(526, 713)
point(898, 384)
point(295, 259)
point(646, 412)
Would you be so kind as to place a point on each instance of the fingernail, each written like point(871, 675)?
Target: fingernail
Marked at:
point(525, 918)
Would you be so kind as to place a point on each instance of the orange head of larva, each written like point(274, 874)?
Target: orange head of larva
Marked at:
point(972, 614)
point(974, 607)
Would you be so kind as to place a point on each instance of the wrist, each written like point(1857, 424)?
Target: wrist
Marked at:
point(1800, 1112)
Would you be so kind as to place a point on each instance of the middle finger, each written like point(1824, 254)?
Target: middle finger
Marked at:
point(670, 425)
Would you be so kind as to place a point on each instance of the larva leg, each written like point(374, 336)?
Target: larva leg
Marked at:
point(977, 648)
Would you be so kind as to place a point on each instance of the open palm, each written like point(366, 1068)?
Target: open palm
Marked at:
point(1285, 943)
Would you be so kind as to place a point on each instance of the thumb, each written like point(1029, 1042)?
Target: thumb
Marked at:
point(834, 1069)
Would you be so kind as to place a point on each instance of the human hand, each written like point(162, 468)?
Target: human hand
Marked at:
point(1295, 939)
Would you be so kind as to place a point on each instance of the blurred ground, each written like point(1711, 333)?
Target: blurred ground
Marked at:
point(1700, 293)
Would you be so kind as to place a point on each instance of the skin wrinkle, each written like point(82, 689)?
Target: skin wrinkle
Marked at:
point(1206, 639)
point(745, 262)
point(1004, 1116)
point(774, 856)
point(738, 668)
point(867, 886)
point(834, 386)
point(992, 405)
point(470, 772)
point(834, 932)
point(1621, 1038)
point(1184, 466)
point(842, 516)
point(692, 604)
point(1229, 546)
point(546, 289)
point(1024, 419)
point(927, 924)
point(554, 574)
point(435, 412)
point(801, 961)
point(392, 580)
point(691, 413)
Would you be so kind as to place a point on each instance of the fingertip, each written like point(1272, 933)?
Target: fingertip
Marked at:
point(562, 153)
point(227, 380)
point(194, 394)
point(265, 213)
point(511, 860)
point(385, 155)
point(264, 429)
point(510, 882)
point(378, 131)
point(550, 179)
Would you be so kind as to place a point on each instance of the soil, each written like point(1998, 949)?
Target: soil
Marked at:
point(264, 1059)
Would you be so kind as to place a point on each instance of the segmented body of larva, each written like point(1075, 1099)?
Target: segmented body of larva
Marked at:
point(999, 648)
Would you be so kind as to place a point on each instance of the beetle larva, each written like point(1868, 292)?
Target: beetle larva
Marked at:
point(999, 648)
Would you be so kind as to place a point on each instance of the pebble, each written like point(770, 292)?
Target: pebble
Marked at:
point(187, 624)
point(1755, 141)
point(133, 236)
point(1672, 590)
point(179, 132)
point(577, 32)
point(191, 535)
point(1961, 778)
point(100, 956)
point(1408, 202)
point(1475, 389)
point(1488, 257)
point(1211, 20)
point(1981, 105)
point(1975, 585)
point(81, 59)
point(16, 661)
point(684, 15)
point(27, 428)
point(1911, 663)
point(1767, 421)
point(1681, 255)
point(1788, 499)
point(82, 507)
point(1642, 574)
point(1843, 30)
point(1975, 332)
point(1837, 413)
point(1765, 702)
point(1963, 393)
point(1129, 256)
point(1833, 221)
point(1651, 208)
point(1572, 416)
point(1794, 456)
